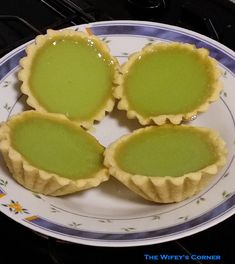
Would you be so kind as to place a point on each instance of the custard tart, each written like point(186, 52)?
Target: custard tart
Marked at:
point(49, 154)
point(166, 163)
point(70, 73)
point(168, 83)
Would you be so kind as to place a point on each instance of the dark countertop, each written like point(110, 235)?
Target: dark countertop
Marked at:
point(218, 240)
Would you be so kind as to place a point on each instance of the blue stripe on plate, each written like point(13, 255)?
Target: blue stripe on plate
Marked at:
point(2, 192)
point(8, 64)
point(170, 231)
point(169, 34)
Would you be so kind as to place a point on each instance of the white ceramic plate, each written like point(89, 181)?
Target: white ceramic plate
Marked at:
point(111, 215)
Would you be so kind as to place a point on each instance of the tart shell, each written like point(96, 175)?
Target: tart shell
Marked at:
point(31, 51)
point(166, 189)
point(168, 118)
point(38, 180)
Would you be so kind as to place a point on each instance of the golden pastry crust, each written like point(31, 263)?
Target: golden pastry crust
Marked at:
point(31, 51)
point(38, 180)
point(216, 85)
point(166, 189)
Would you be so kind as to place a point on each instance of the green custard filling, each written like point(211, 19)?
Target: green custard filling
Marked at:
point(170, 81)
point(166, 151)
point(56, 146)
point(72, 76)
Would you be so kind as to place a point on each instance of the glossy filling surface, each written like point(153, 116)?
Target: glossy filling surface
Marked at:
point(170, 81)
point(72, 76)
point(56, 146)
point(166, 151)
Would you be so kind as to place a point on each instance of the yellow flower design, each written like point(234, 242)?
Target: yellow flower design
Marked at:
point(16, 207)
